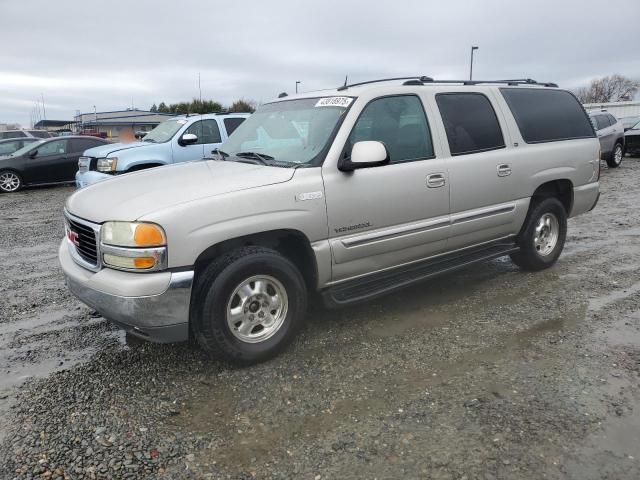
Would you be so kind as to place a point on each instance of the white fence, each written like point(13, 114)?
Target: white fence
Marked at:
point(617, 109)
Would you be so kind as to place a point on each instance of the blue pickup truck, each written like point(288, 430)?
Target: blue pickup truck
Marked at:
point(178, 139)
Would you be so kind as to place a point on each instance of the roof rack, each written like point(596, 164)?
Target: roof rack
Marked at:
point(422, 80)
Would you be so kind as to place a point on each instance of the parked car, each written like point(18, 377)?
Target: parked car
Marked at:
point(611, 135)
point(628, 122)
point(44, 162)
point(632, 140)
point(24, 133)
point(351, 193)
point(10, 145)
point(178, 139)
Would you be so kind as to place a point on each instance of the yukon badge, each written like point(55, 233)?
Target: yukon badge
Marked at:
point(301, 197)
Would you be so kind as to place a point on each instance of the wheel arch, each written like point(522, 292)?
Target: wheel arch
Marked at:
point(136, 167)
point(562, 189)
point(292, 244)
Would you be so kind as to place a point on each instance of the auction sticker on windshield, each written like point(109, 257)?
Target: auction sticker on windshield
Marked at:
point(343, 102)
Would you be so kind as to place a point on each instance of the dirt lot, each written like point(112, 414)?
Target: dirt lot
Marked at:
point(488, 374)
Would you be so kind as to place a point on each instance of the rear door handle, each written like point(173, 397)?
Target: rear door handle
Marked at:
point(504, 170)
point(436, 180)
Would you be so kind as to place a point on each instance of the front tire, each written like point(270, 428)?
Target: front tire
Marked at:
point(248, 305)
point(616, 156)
point(10, 181)
point(542, 238)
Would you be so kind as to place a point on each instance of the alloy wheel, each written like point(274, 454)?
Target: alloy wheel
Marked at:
point(9, 182)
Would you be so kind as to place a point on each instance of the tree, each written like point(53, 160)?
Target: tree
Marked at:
point(613, 88)
point(162, 108)
point(243, 105)
point(153, 108)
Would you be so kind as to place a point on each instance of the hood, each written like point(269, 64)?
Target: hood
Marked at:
point(133, 195)
point(629, 133)
point(104, 150)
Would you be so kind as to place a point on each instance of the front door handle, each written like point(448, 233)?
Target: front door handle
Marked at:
point(504, 170)
point(436, 180)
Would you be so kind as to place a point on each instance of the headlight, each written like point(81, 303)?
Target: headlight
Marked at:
point(133, 246)
point(132, 234)
point(107, 164)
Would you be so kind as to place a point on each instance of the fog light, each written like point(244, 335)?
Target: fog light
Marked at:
point(139, 263)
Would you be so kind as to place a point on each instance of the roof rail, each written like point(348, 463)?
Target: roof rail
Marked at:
point(421, 80)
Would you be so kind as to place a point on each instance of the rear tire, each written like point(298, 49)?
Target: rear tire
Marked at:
point(10, 181)
point(616, 156)
point(248, 305)
point(543, 235)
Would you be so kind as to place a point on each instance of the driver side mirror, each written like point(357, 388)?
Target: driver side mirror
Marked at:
point(188, 139)
point(364, 155)
point(33, 153)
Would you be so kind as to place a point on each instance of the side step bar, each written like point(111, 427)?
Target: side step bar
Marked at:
point(361, 289)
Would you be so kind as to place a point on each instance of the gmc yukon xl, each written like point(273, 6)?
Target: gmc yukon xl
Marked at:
point(347, 193)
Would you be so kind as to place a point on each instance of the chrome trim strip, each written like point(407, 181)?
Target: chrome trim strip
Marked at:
point(395, 232)
point(476, 215)
point(72, 248)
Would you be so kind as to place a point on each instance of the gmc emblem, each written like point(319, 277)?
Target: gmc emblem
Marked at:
point(73, 237)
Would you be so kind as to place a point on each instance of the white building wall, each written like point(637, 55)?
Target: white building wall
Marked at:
point(617, 109)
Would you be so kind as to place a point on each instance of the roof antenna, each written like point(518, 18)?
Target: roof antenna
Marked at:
point(345, 81)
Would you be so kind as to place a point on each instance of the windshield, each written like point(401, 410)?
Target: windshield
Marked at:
point(164, 132)
point(26, 148)
point(636, 126)
point(291, 132)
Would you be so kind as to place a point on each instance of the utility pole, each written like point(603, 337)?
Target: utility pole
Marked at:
point(298, 82)
point(471, 65)
point(199, 88)
point(44, 112)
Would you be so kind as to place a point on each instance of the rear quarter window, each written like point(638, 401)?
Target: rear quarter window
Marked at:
point(547, 115)
point(230, 124)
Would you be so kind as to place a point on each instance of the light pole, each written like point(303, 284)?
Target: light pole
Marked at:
point(297, 83)
point(471, 65)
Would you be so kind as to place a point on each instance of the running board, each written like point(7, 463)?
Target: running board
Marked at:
point(361, 289)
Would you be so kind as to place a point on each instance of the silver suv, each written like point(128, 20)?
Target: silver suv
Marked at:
point(351, 193)
point(610, 132)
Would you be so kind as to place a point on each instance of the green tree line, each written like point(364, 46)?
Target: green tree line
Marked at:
point(204, 106)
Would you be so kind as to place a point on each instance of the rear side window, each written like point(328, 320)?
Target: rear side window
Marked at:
point(399, 123)
point(82, 144)
point(547, 115)
point(470, 122)
point(612, 119)
point(232, 123)
point(602, 121)
point(40, 134)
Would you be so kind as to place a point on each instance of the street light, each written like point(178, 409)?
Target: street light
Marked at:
point(471, 66)
point(297, 83)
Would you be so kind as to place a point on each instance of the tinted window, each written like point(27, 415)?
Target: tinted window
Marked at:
point(231, 124)
point(602, 121)
point(399, 123)
point(82, 144)
point(55, 147)
point(547, 115)
point(470, 122)
point(207, 131)
point(14, 134)
point(613, 120)
point(40, 134)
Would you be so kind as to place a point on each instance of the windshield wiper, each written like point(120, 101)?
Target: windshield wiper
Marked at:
point(261, 157)
point(221, 155)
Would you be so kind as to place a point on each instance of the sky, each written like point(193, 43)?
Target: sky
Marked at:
point(116, 54)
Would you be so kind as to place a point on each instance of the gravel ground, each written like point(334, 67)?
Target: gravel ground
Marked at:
point(488, 374)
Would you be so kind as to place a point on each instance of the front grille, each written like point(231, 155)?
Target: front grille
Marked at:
point(632, 141)
point(84, 239)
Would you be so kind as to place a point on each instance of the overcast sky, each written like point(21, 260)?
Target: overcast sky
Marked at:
point(109, 54)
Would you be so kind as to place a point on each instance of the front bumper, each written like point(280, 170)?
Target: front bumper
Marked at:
point(152, 306)
point(90, 177)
